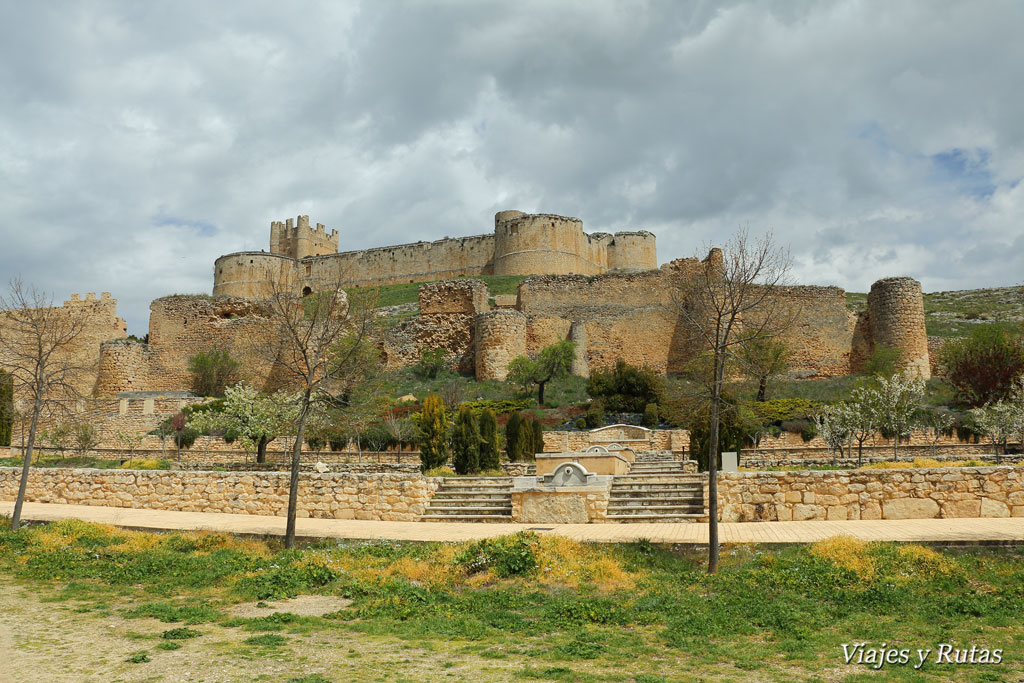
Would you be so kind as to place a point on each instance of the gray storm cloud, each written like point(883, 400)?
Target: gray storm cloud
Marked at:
point(139, 141)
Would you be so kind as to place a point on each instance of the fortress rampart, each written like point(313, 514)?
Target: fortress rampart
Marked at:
point(100, 322)
point(521, 244)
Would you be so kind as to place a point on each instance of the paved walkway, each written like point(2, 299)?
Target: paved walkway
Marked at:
point(987, 530)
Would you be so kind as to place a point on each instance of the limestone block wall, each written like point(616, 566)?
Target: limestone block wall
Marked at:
point(248, 273)
point(637, 438)
point(404, 263)
point(467, 297)
point(390, 497)
point(179, 328)
point(871, 494)
point(544, 243)
point(500, 337)
point(99, 321)
point(896, 311)
point(633, 251)
point(823, 337)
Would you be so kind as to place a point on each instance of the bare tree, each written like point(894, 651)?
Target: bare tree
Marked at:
point(726, 303)
point(36, 341)
point(316, 344)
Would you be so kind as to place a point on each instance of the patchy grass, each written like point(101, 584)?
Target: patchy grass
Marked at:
point(541, 607)
point(408, 293)
point(50, 460)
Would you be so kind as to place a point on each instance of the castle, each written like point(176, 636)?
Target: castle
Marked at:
point(522, 244)
point(605, 292)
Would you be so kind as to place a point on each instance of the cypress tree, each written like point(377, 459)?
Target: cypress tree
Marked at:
point(433, 433)
point(524, 443)
point(466, 443)
point(488, 440)
point(538, 439)
point(512, 429)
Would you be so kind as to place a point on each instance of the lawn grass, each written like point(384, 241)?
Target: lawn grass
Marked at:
point(49, 460)
point(558, 609)
point(408, 293)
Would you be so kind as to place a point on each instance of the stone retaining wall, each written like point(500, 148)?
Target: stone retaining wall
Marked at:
point(342, 468)
point(871, 494)
point(391, 497)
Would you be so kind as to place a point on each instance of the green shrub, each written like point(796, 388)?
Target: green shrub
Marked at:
point(506, 556)
point(884, 361)
point(138, 657)
point(267, 640)
point(651, 415)
point(180, 634)
point(626, 388)
point(432, 362)
point(780, 410)
point(594, 417)
point(498, 407)
point(213, 371)
point(581, 423)
point(982, 367)
point(168, 645)
point(489, 454)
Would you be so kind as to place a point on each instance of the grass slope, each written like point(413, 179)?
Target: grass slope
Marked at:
point(537, 607)
point(951, 314)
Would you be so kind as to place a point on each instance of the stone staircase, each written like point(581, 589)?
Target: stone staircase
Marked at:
point(657, 490)
point(471, 499)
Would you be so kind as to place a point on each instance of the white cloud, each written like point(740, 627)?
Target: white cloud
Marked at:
point(139, 141)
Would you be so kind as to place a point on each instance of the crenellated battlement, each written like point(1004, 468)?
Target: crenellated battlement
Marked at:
point(296, 239)
point(90, 299)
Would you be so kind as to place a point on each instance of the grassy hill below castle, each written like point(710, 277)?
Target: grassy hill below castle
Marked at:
point(952, 313)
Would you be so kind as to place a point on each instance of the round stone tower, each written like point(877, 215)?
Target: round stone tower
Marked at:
point(541, 244)
point(896, 312)
point(500, 337)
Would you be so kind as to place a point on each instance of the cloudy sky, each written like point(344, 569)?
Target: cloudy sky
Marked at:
point(141, 140)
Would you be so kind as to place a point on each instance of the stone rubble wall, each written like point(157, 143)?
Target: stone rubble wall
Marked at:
point(388, 497)
point(342, 468)
point(871, 494)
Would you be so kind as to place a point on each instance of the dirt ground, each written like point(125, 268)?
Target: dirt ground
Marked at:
point(51, 642)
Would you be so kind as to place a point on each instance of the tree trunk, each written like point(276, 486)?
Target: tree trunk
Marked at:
point(716, 403)
point(261, 449)
point(19, 502)
point(293, 484)
point(895, 447)
point(540, 393)
point(762, 389)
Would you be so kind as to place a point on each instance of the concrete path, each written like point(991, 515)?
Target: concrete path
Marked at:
point(986, 530)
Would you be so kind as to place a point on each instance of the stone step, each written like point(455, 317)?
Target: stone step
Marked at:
point(655, 509)
point(465, 518)
point(656, 500)
point(661, 485)
point(463, 506)
point(487, 498)
point(657, 479)
point(656, 519)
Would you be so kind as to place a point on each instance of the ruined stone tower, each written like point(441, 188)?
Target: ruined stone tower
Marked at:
point(896, 310)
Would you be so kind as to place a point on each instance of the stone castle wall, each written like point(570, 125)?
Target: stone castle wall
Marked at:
point(99, 323)
point(521, 244)
point(389, 497)
point(179, 328)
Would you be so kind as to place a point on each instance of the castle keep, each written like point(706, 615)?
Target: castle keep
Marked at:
point(522, 244)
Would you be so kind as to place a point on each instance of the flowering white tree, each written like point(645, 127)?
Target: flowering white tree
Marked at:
point(835, 424)
point(864, 402)
point(255, 418)
point(935, 423)
point(898, 398)
point(997, 422)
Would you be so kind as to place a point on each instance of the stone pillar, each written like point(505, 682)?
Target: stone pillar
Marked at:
point(500, 337)
point(578, 334)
